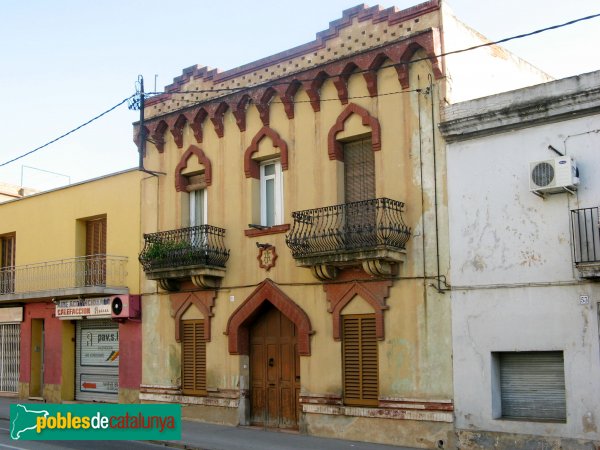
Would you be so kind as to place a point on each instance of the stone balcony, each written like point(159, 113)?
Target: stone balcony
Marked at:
point(196, 253)
point(371, 233)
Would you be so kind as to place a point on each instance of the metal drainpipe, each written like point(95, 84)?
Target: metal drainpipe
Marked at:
point(437, 234)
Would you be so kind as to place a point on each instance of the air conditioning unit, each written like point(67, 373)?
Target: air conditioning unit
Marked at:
point(553, 175)
point(124, 307)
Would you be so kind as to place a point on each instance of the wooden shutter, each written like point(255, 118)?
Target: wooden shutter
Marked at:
point(8, 251)
point(95, 243)
point(360, 360)
point(359, 171)
point(532, 385)
point(7, 259)
point(193, 358)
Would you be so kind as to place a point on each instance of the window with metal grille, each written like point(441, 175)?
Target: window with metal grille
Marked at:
point(360, 360)
point(531, 385)
point(193, 358)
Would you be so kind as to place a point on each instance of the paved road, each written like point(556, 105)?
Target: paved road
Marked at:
point(7, 443)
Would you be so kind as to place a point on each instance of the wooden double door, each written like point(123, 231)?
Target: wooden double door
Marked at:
point(274, 371)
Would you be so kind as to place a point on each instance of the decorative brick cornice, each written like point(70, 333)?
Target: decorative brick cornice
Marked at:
point(397, 53)
point(361, 12)
point(158, 135)
point(373, 292)
point(180, 179)
point(241, 319)
point(334, 148)
point(197, 123)
point(217, 118)
point(177, 130)
point(252, 167)
point(203, 300)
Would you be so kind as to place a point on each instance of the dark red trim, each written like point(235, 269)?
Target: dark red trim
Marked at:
point(334, 147)
point(373, 292)
point(180, 179)
point(239, 322)
point(203, 300)
point(275, 229)
point(252, 167)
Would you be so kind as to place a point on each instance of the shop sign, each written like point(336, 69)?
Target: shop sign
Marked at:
point(11, 315)
point(100, 347)
point(88, 307)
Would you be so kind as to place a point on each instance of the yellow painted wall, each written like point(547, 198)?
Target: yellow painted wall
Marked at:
point(415, 359)
point(49, 226)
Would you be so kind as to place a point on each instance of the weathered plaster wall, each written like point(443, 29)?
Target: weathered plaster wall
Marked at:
point(515, 287)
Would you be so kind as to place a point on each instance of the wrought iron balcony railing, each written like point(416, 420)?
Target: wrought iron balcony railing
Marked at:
point(350, 227)
point(186, 247)
point(585, 225)
point(65, 274)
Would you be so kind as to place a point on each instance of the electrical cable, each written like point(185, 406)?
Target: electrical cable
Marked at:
point(68, 132)
point(235, 90)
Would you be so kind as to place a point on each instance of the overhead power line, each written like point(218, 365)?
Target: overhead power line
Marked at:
point(68, 132)
point(238, 89)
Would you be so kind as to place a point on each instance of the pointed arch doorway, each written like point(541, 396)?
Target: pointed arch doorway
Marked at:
point(270, 332)
point(274, 370)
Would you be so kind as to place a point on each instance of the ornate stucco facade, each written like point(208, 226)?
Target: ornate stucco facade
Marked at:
point(250, 217)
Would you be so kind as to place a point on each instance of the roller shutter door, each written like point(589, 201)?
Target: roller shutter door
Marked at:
point(532, 385)
point(97, 361)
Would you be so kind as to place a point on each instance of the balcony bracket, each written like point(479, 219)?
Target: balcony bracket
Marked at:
point(205, 281)
point(324, 272)
point(377, 267)
point(169, 284)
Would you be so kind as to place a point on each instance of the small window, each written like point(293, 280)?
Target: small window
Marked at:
point(271, 194)
point(531, 385)
point(360, 360)
point(193, 358)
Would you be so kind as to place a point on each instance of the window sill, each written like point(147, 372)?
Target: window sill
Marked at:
point(275, 229)
point(530, 419)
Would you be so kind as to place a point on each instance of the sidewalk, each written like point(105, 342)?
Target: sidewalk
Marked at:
point(205, 436)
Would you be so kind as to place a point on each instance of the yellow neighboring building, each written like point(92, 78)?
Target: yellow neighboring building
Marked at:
point(67, 256)
point(296, 231)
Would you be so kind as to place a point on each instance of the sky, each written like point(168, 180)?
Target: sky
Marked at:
point(63, 62)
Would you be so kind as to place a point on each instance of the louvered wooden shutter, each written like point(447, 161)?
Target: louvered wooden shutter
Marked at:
point(532, 385)
point(193, 358)
point(95, 243)
point(8, 251)
point(360, 360)
point(359, 171)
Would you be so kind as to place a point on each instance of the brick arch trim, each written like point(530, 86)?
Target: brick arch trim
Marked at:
point(203, 300)
point(241, 319)
point(374, 293)
point(334, 147)
point(252, 167)
point(180, 179)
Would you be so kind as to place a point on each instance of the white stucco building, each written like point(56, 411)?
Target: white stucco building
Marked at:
point(525, 267)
